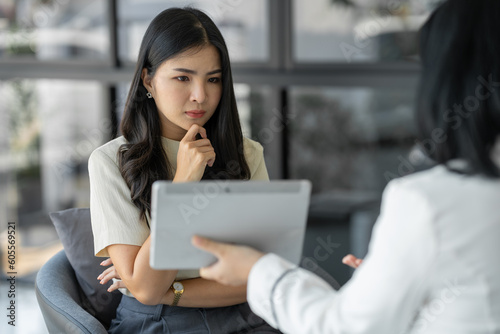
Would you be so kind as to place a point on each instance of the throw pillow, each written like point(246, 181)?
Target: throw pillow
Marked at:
point(75, 232)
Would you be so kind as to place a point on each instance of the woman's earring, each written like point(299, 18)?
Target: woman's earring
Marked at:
point(149, 95)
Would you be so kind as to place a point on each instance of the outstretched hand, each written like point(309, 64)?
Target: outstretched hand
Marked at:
point(352, 261)
point(194, 155)
point(234, 262)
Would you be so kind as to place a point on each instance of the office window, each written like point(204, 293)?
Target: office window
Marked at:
point(358, 31)
point(54, 29)
point(49, 129)
point(352, 139)
point(244, 25)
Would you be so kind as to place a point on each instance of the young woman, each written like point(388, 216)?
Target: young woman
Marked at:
point(181, 124)
point(433, 265)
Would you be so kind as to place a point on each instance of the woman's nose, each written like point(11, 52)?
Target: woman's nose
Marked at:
point(199, 93)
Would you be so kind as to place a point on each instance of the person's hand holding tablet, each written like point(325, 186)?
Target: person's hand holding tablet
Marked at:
point(233, 264)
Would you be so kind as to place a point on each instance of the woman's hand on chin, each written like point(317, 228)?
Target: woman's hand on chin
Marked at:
point(194, 155)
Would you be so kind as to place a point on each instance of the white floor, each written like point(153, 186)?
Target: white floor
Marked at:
point(29, 318)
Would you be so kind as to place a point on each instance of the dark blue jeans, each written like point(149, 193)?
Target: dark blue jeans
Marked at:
point(135, 318)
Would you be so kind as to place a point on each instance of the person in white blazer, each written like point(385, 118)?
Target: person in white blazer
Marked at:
point(433, 264)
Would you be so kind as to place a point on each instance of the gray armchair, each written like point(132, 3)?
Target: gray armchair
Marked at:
point(64, 306)
point(68, 292)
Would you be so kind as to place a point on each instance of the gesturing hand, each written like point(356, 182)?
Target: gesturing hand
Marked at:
point(234, 262)
point(194, 155)
point(352, 261)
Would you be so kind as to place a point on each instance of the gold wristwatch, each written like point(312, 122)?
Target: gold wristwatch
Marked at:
point(178, 289)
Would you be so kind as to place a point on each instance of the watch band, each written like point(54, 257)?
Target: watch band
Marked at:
point(177, 292)
point(177, 296)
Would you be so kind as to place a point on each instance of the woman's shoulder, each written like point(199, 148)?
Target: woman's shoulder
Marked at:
point(252, 146)
point(420, 178)
point(253, 151)
point(439, 178)
point(443, 188)
point(108, 150)
point(254, 156)
point(423, 182)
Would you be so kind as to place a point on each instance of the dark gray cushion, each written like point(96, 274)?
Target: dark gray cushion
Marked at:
point(75, 231)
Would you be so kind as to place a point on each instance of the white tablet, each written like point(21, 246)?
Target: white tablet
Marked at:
point(270, 216)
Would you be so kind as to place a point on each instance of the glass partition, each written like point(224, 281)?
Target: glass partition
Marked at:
point(345, 31)
point(352, 139)
point(54, 29)
point(244, 25)
point(50, 127)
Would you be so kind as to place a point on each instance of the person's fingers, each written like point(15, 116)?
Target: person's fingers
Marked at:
point(350, 260)
point(106, 262)
point(203, 148)
point(206, 273)
point(118, 284)
point(105, 272)
point(202, 132)
point(109, 276)
point(207, 245)
point(201, 243)
point(193, 131)
point(210, 158)
point(202, 143)
point(217, 271)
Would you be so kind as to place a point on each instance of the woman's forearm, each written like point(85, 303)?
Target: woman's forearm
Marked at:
point(145, 283)
point(199, 292)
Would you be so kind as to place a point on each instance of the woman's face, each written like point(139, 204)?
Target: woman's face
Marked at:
point(187, 89)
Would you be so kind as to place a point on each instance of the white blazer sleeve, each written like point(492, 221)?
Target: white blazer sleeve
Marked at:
point(385, 292)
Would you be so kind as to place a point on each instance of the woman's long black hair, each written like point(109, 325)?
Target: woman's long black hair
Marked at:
point(458, 105)
point(142, 160)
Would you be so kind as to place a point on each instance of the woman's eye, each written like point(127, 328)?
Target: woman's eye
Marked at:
point(182, 78)
point(214, 80)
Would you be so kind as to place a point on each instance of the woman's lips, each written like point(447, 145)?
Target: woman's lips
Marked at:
point(195, 113)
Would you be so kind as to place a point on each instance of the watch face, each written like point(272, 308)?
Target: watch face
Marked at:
point(178, 286)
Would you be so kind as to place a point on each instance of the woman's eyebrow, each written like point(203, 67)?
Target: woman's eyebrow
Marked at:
point(185, 70)
point(214, 72)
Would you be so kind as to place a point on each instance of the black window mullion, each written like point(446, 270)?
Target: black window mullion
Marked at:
point(113, 34)
point(115, 64)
